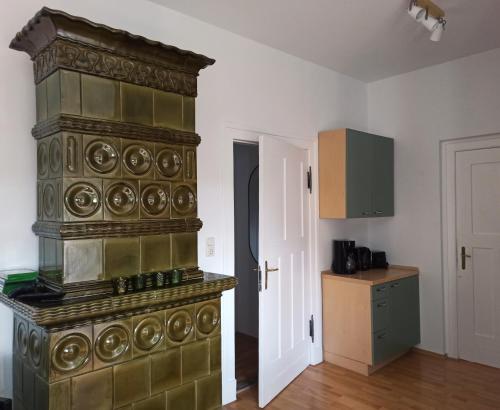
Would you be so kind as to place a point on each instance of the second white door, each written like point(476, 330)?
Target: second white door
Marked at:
point(284, 301)
point(478, 250)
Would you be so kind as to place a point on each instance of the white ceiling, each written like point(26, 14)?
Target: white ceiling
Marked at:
point(365, 39)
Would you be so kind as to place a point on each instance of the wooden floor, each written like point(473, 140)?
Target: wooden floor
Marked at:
point(416, 381)
point(247, 360)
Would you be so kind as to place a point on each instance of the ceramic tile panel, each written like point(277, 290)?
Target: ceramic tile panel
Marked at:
point(182, 398)
point(167, 110)
point(28, 383)
point(83, 199)
point(60, 395)
point(137, 159)
point(41, 101)
point(215, 353)
point(42, 154)
point(102, 156)
point(53, 94)
point(184, 249)
point(184, 200)
point(155, 200)
point(100, 97)
point(155, 253)
point(137, 104)
point(189, 163)
point(72, 154)
point(180, 327)
point(148, 333)
point(131, 381)
point(209, 392)
point(168, 162)
point(70, 353)
point(188, 114)
point(83, 260)
point(157, 402)
point(121, 200)
point(112, 343)
point(55, 156)
point(92, 390)
point(195, 360)
point(121, 257)
point(207, 319)
point(51, 198)
point(42, 394)
point(70, 92)
point(166, 370)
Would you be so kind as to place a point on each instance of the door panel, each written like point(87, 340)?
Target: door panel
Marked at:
point(284, 304)
point(359, 174)
point(383, 176)
point(478, 273)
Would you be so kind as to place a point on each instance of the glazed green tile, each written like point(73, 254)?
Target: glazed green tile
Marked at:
point(72, 154)
point(167, 110)
point(50, 254)
point(155, 253)
point(165, 370)
point(182, 398)
point(100, 97)
point(83, 260)
point(180, 327)
point(209, 392)
point(207, 319)
point(128, 206)
point(189, 163)
point(41, 101)
point(93, 390)
point(17, 373)
point(72, 188)
point(28, 386)
point(70, 92)
point(137, 104)
point(121, 257)
point(109, 340)
point(148, 333)
point(55, 156)
point(215, 353)
point(53, 94)
point(129, 407)
point(188, 113)
point(60, 395)
point(195, 360)
point(184, 249)
point(41, 394)
point(131, 381)
point(154, 403)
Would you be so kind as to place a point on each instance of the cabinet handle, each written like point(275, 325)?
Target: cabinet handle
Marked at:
point(380, 305)
point(382, 336)
point(382, 289)
point(395, 285)
point(366, 213)
point(378, 212)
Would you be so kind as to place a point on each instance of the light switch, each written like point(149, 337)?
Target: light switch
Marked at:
point(210, 248)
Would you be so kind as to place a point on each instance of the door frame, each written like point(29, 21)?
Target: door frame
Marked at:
point(449, 149)
point(234, 133)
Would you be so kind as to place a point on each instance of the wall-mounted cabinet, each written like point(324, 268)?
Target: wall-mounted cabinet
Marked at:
point(356, 174)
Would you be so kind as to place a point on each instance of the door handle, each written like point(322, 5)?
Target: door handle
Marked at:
point(464, 256)
point(268, 269)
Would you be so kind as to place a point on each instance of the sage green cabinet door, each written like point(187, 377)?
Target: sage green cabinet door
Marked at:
point(359, 174)
point(383, 176)
point(404, 313)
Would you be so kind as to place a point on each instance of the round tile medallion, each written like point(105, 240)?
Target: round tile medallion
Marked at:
point(82, 199)
point(148, 333)
point(71, 353)
point(207, 319)
point(168, 162)
point(179, 325)
point(121, 199)
point(101, 156)
point(154, 199)
point(137, 159)
point(184, 200)
point(112, 343)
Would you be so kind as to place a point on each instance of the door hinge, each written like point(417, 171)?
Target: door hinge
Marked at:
point(309, 180)
point(311, 328)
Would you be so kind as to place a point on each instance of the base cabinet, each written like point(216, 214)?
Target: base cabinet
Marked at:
point(366, 326)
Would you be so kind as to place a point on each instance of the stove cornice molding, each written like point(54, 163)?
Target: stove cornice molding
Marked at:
point(54, 39)
point(102, 127)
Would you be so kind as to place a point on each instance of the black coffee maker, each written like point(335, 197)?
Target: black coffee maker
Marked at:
point(344, 257)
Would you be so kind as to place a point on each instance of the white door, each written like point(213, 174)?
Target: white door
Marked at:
point(284, 301)
point(478, 251)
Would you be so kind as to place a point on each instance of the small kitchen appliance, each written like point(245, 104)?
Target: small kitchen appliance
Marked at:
point(344, 257)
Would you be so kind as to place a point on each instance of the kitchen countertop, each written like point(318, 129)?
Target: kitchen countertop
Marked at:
point(374, 276)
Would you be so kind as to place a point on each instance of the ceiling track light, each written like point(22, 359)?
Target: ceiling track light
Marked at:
point(429, 15)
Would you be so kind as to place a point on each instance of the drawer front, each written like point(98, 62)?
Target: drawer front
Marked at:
point(380, 291)
point(382, 349)
point(380, 314)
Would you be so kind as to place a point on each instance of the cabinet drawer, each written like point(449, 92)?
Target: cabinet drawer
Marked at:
point(382, 348)
point(380, 314)
point(380, 291)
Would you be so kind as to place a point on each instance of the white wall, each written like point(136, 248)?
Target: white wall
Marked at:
point(251, 86)
point(419, 109)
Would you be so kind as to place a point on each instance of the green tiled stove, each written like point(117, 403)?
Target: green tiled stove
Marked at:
point(116, 155)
